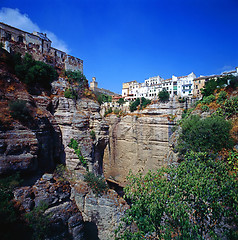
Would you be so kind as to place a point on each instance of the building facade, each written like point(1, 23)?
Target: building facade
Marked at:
point(150, 88)
point(39, 46)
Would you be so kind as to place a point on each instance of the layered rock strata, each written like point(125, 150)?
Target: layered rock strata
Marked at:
point(140, 141)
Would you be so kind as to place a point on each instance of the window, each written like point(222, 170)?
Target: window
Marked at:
point(8, 36)
point(196, 86)
point(20, 39)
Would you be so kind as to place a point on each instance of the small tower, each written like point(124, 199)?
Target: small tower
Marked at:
point(93, 84)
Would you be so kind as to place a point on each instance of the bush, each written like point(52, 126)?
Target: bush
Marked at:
point(102, 98)
point(74, 144)
point(209, 134)
point(221, 97)
point(31, 72)
point(163, 95)
point(208, 99)
point(19, 110)
point(76, 76)
point(231, 106)
point(121, 101)
point(71, 93)
point(204, 108)
point(116, 111)
point(134, 105)
point(93, 134)
point(96, 183)
point(144, 102)
point(39, 223)
point(196, 199)
point(181, 100)
point(108, 112)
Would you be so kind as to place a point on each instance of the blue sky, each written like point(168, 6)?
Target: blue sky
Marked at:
point(125, 40)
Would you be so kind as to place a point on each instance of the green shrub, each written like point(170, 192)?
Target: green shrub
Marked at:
point(39, 222)
point(74, 144)
point(134, 105)
point(108, 112)
point(204, 108)
point(181, 100)
point(221, 97)
point(121, 101)
point(102, 98)
point(19, 110)
point(144, 102)
point(208, 99)
point(195, 199)
point(213, 84)
point(71, 93)
point(96, 183)
point(93, 134)
point(76, 76)
point(231, 106)
point(164, 95)
point(116, 111)
point(31, 72)
point(209, 134)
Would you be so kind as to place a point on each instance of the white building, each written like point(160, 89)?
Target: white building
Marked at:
point(150, 88)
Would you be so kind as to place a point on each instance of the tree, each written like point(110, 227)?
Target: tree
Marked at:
point(134, 105)
point(164, 95)
point(209, 134)
point(192, 201)
point(213, 84)
point(121, 101)
point(31, 72)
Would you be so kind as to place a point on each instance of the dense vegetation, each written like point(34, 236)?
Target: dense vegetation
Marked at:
point(102, 98)
point(19, 110)
point(79, 84)
point(139, 103)
point(205, 135)
point(163, 95)
point(192, 201)
point(31, 72)
point(213, 84)
point(96, 183)
point(196, 198)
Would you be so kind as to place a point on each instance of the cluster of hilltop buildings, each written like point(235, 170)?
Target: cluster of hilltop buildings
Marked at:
point(39, 46)
point(184, 86)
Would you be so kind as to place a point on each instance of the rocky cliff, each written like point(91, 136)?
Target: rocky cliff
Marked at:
point(140, 141)
point(36, 140)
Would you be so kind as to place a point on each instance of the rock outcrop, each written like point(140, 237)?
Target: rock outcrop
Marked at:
point(102, 214)
point(140, 141)
point(30, 144)
point(80, 120)
point(64, 216)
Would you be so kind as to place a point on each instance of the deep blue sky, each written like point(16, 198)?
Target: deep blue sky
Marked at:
point(125, 40)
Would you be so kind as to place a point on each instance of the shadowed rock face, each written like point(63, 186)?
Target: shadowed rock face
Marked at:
point(30, 144)
point(65, 219)
point(139, 141)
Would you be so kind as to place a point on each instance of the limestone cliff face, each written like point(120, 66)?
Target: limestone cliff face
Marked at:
point(77, 120)
point(139, 141)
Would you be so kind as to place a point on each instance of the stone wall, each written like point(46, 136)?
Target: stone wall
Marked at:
point(39, 46)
